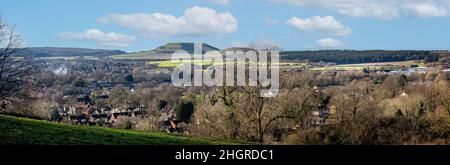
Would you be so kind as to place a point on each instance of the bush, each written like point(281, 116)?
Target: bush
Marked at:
point(101, 122)
point(123, 122)
point(184, 111)
point(80, 82)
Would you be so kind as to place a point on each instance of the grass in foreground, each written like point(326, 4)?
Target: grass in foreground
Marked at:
point(15, 130)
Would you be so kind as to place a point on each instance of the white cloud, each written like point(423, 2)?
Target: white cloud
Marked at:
point(426, 9)
point(102, 39)
point(270, 21)
point(380, 9)
point(221, 2)
point(329, 43)
point(353, 8)
point(375, 10)
point(196, 21)
point(326, 25)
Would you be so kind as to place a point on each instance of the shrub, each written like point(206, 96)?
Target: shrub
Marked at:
point(123, 122)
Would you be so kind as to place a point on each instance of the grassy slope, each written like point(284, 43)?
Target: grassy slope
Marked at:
point(160, 53)
point(142, 54)
point(15, 130)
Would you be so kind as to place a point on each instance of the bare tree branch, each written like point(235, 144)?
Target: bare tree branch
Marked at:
point(13, 69)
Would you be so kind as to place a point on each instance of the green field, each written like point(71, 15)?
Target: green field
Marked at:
point(351, 68)
point(15, 130)
point(176, 63)
point(136, 55)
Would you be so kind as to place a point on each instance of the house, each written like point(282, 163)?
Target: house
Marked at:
point(112, 119)
point(91, 121)
point(79, 120)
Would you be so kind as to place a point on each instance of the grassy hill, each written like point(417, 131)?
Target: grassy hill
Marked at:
point(15, 130)
point(165, 51)
point(182, 46)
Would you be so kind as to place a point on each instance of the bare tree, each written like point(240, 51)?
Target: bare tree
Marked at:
point(257, 115)
point(13, 69)
point(264, 45)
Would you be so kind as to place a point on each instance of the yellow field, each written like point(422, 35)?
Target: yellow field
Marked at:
point(349, 68)
point(176, 63)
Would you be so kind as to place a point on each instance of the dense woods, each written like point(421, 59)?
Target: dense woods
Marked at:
point(355, 56)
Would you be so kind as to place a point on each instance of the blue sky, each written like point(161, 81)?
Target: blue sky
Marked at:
point(135, 25)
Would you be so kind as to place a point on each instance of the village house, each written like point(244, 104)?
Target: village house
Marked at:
point(86, 112)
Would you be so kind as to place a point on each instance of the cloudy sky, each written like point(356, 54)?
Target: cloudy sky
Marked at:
point(135, 25)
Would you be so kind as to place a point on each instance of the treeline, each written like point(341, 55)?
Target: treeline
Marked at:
point(64, 52)
point(354, 56)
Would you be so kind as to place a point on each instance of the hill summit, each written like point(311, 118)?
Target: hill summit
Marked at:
point(170, 48)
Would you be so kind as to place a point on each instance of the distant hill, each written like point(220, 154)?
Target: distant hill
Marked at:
point(65, 52)
point(183, 46)
point(235, 49)
point(165, 51)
